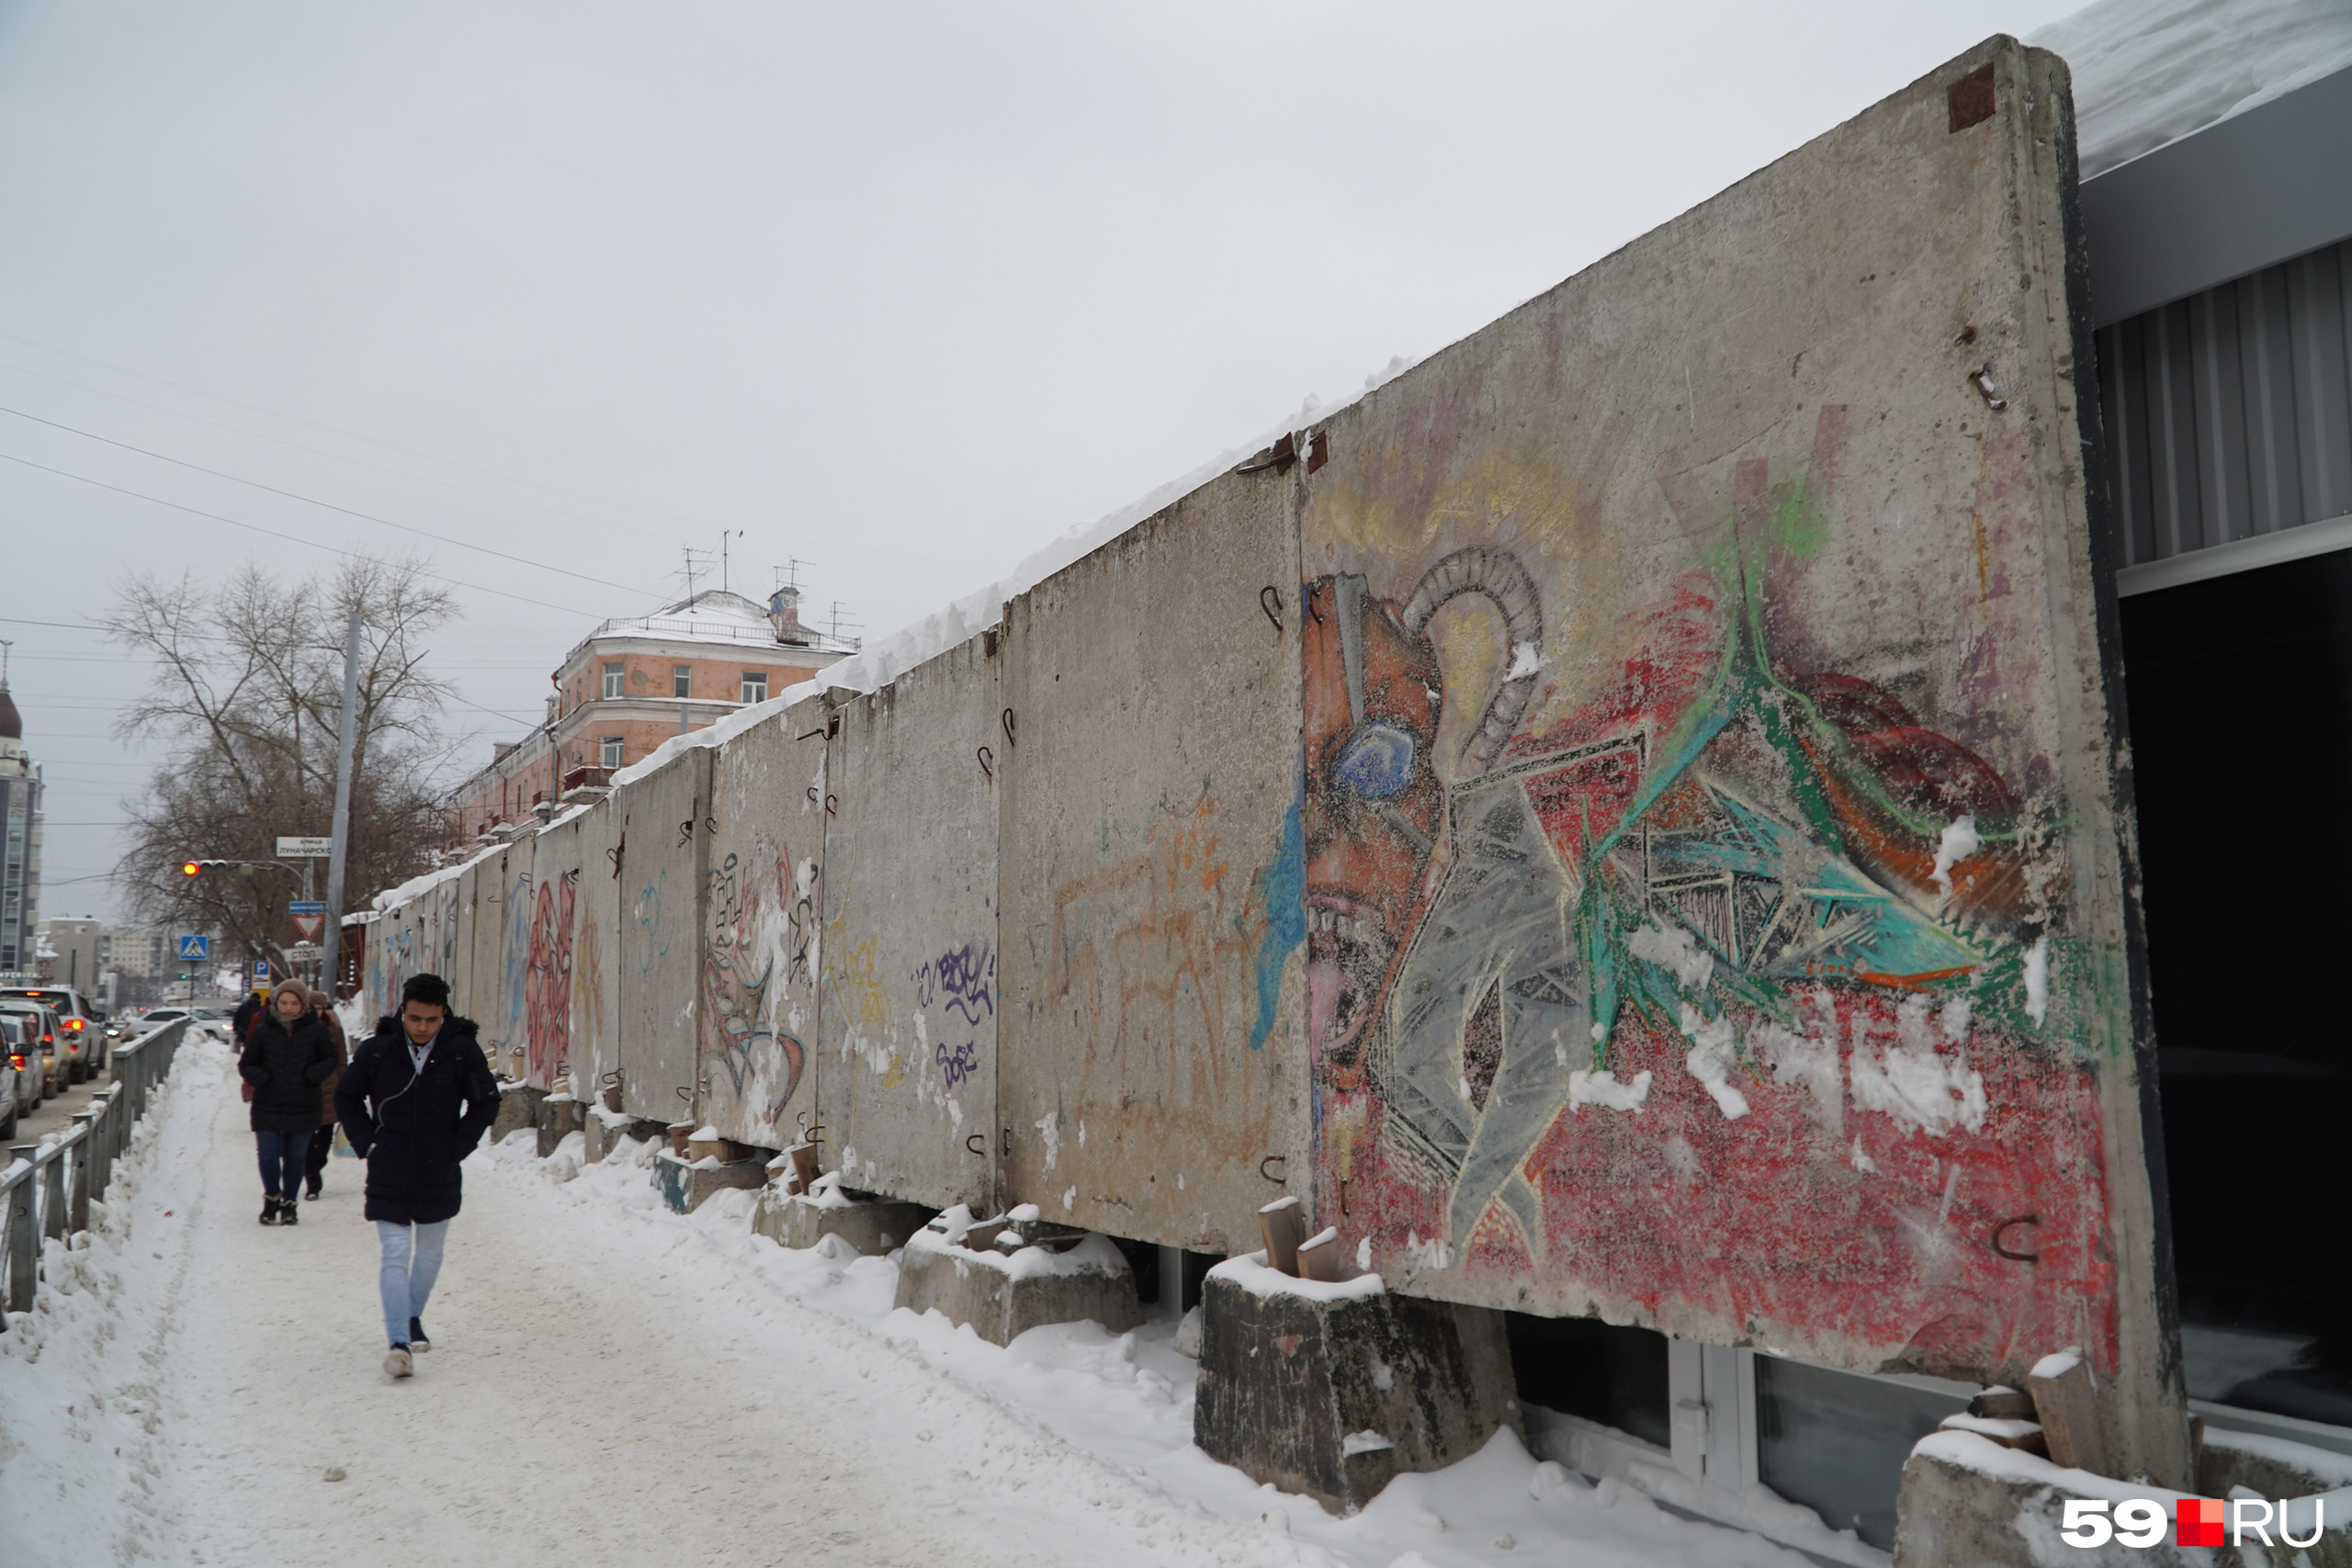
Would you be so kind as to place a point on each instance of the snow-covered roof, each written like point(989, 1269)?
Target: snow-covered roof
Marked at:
point(2150, 72)
point(713, 616)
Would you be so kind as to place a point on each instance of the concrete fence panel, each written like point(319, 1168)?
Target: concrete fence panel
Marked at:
point(663, 862)
point(485, 949)
point(1715, 857)
point(596, 973)
point(506, 1019)
point(908, 1094)
point(756, 971)
point(1150, 1073)
point(558, 868)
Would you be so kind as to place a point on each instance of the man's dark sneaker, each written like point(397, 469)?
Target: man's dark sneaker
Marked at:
point(416, 1339)
point(269, 1208)
point(288, 1211)
point(316, 1186)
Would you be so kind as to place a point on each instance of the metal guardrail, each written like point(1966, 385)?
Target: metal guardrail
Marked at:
point(46, 1190)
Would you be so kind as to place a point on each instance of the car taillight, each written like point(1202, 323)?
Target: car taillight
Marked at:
point(16, 1060)
point(73, 1025)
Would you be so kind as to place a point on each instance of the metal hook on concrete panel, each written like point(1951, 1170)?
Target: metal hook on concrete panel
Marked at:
point(1011, 738)
point(812, 795)
point(832, 801)
point(974, 1138)
point(1270, 599)
point(686, 1093)
point(812, 734)
point(1983, 381)
point(2004, 1228)
point(1283, 1160)
point(1343, 1197)
point(988, 766)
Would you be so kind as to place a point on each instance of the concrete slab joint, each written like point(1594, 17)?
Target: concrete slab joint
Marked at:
point(518, 1106)
point(1330, 1389)
point(556, 1115)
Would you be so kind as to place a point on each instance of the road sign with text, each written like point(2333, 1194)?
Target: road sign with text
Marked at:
point(305, 849)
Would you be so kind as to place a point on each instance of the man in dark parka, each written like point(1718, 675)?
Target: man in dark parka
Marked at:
point(415, 1100)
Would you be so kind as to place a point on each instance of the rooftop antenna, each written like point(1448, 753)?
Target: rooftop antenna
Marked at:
point(697, 561)
point(838, 618)
point(724, 533)
point(4, 646)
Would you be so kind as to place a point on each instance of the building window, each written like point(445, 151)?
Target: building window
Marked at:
point(612, 679)
point(755, 685)
point(682, 680)
point(611, 757)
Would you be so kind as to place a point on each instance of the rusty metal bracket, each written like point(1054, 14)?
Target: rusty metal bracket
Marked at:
point(1983, 381)
point(1343, 1197)
point(1270, 599)
point(1318, 451)
point(988, 766)
point(2004, 1228)
point(1283, 1160)
point(811, 734)
point(1279, 456)
point(1011, 738)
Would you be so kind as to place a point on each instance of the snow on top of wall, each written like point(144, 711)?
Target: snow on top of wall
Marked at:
point(418, 885)
point(2150, 72)
point(884, 659)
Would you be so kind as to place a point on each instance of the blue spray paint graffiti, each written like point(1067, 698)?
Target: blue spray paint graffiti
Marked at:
point(1280, 886)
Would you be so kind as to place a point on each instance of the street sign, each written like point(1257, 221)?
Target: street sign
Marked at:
point(305, 849)
point(304, 953)
point(261, 970)
point(310, 917)
point(196, 947)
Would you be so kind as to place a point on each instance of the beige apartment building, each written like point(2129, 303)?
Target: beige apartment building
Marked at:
point(631, 684)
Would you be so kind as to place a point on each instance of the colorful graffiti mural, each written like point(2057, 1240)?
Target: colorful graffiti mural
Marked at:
point(1719, 990)
point(761, 920)
point(547, 987)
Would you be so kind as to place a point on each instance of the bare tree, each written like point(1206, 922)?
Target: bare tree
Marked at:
point(249, 686)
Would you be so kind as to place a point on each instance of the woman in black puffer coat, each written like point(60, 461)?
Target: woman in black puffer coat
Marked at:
point(287, 1057)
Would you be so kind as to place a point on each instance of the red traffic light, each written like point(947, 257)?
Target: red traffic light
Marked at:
point(192, 868)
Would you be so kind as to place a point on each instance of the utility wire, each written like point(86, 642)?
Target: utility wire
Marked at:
point(329, 505)
point(271, 533)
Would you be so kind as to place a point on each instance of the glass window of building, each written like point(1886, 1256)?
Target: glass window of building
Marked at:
point(611, 757)
point(612, 679)
point(682, 680)
point(755, 685)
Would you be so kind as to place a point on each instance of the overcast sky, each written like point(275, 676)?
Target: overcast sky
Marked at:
point(899, 291)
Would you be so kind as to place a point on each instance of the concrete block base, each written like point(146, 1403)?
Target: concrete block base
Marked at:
point(1966, 1501)
point(558, 1114)
point(1330, 1390)
point(518, 1106)
point(876, 1228)
point(686, 1187)
point(603, 1136)
point(1002, 1297)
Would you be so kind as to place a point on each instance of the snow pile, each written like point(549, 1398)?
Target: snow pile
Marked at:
point(1255, 1275)
point(2149, 71)
point(1091, 1433)
point(884, 659)
point(79, 1399)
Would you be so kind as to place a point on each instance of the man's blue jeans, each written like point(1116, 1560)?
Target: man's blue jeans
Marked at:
point(412, 1262)
point(282, 1154)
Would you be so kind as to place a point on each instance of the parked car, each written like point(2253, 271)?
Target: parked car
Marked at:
point(214, 1019)
point(78, 1040)
point(41, 1030)
point(22, 1089)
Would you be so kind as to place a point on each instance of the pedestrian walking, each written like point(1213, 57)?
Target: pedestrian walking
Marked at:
point(241, 1022)
point(314, 1164)
point(415, 1100)
point(287, 1056)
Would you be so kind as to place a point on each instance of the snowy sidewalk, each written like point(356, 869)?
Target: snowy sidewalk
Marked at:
point(611, 1383)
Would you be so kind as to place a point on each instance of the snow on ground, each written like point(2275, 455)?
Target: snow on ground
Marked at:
point(613, 1383)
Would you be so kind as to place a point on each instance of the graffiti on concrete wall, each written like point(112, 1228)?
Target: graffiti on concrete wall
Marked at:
point(1719, 983)
point(955, 994)
point(752, 1059)
point(547, 999)
point(1154, 962)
